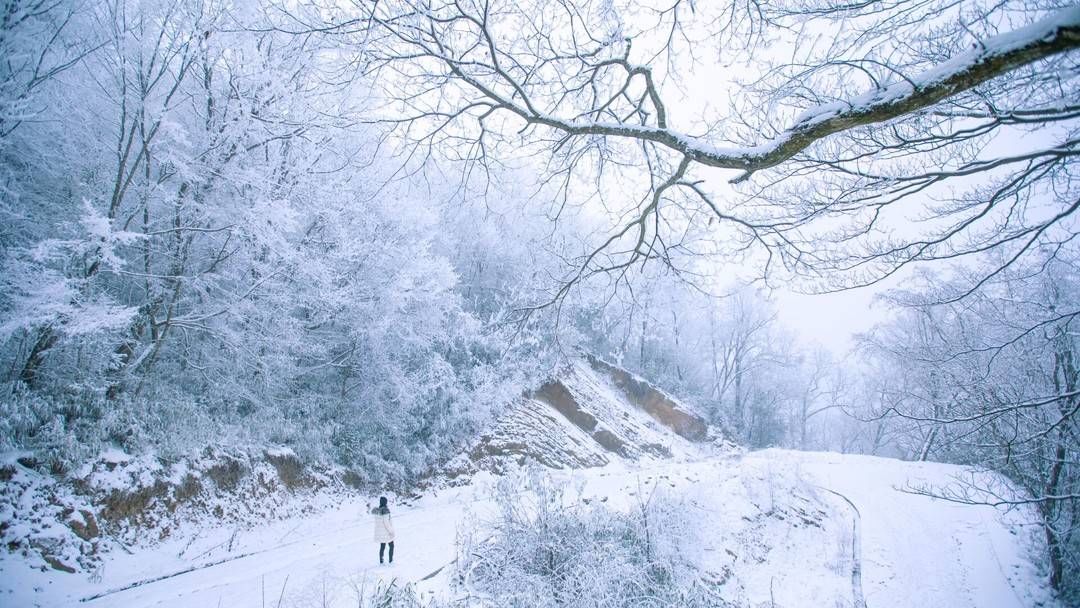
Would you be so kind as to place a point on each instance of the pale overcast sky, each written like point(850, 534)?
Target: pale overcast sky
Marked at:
point(831, 319)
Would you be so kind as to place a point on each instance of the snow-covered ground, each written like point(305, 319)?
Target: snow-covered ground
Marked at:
point(919, 551)
point(790, 528)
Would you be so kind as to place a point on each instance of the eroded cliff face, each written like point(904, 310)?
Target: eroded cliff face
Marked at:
point(656, 403)
point(588, 415)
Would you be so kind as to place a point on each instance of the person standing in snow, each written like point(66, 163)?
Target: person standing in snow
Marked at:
point(384, 529)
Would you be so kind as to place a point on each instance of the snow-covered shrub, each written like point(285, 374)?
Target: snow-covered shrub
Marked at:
point(393, 596)
point(58, 432)
point(357, 590)
point(546, 549)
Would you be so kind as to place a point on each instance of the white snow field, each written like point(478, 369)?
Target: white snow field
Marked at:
point(773, 528)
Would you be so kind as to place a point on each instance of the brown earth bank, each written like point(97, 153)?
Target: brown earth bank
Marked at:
point(658, 405)
point(119, 501)
point(589, 413)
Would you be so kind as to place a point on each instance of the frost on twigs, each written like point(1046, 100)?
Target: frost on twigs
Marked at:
point(546, 547)
point(844, 122)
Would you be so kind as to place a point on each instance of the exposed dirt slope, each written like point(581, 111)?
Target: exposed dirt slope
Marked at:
point(590, 414)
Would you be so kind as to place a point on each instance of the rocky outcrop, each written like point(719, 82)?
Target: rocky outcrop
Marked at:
point(657, 404)
point(84, 525)
point(532, 431)
point(587, 415)
point(558, 396)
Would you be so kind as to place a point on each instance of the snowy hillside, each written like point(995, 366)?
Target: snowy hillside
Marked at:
point(772, 528)
point(590, 414)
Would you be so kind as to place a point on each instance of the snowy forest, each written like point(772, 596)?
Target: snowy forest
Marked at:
point(360, 229)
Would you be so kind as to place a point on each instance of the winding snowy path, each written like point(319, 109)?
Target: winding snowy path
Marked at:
point(915, 551)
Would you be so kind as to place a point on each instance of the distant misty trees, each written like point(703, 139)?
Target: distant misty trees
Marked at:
point(730, 355)
point(993, 380)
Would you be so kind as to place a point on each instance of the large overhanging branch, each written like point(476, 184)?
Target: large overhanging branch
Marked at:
point(563, 84)
point(994, 57)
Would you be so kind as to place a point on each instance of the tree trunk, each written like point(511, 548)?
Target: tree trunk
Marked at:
point(715, 368)
point(678, 350)
point(1053, 545)
point(928, 444)
point(641, 344)
point(802, 422)
point(1065, 381)
point(125, 351)
point(46, 339)
point(738, 409)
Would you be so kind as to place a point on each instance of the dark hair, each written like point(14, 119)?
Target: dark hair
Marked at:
point(382, 503)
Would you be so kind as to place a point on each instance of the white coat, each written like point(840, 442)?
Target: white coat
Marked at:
point(384, 527)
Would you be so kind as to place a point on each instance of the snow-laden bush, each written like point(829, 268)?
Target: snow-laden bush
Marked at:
point(545, 548)
point(393, 596)
point(66, 431)
point(61, 433)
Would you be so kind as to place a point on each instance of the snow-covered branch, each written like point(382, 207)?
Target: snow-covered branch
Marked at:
point(514, 91)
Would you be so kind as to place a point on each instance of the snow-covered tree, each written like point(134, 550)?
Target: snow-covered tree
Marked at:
point(993, 381)
point(207, 234)
point(818, 139)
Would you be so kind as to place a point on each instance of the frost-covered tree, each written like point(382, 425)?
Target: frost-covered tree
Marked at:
point(993, 381)
point(819, 139)
point(207, 237)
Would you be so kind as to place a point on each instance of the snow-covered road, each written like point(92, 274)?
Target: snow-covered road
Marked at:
point(918, 551)
point(328, 556)
point(915, 551)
